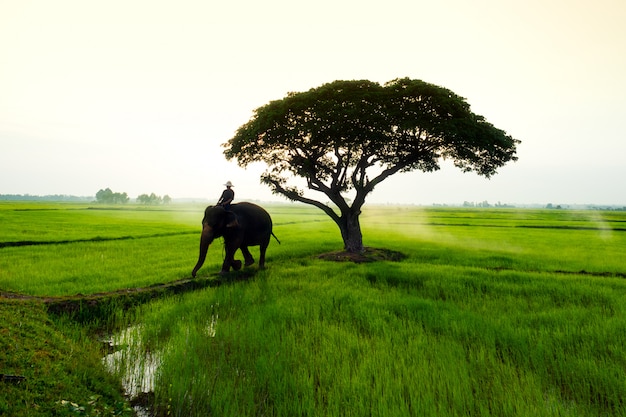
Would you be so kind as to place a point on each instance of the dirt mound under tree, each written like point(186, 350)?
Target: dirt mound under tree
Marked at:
point(368, 255)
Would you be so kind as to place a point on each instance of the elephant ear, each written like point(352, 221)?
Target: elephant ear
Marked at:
point(231, 220)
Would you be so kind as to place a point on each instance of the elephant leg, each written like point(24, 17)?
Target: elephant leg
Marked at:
point(262, 250)
point(247, 256)
point(236, 265)
point(229, 260)
point(225, 266)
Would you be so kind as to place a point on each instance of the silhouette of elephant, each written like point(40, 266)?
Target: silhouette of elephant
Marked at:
point(242, 225)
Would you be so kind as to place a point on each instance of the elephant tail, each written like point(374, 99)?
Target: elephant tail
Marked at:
point(275, 237)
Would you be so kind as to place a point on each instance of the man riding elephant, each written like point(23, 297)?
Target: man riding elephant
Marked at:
point(228, 195)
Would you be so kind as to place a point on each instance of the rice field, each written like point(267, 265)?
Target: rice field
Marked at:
point(497, 312)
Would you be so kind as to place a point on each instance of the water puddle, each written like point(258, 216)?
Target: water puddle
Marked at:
point(136, 365)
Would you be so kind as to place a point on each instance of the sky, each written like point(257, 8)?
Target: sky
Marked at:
point(139, 95)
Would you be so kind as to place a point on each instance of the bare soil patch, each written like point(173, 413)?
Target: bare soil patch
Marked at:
point(368, 255)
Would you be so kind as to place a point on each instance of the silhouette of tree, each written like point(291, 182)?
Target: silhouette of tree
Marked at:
point(349, 136)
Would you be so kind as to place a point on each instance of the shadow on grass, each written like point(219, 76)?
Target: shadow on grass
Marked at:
point(89, 240)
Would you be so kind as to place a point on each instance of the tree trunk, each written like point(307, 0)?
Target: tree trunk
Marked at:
point(351, 231)
point(348, 222)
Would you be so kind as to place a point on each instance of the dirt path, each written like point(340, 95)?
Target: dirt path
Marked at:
point(84, 306)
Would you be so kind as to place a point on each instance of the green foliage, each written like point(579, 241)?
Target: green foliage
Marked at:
point(107, 196)
point(403, 125)
point(153, 199)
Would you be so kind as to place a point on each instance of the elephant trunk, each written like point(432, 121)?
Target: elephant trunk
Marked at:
point(205, 240)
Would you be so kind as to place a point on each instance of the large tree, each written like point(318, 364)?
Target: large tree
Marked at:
point(346, 137)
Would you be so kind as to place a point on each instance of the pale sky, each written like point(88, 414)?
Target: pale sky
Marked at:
point(139, 95)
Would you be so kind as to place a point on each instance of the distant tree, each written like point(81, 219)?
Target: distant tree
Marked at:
point(151, 199)
point(143, 199)
point(121, 198)
point(167, 199)
point(349, 136)
point(104, 196)
point(107, 196)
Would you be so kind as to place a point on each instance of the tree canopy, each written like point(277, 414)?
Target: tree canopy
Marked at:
point(153, 199)
point(107, 196)
point(351, 135)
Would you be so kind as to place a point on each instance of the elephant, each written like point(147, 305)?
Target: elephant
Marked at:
point(242, 225)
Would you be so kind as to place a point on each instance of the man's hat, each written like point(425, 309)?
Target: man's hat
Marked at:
point(229, 184)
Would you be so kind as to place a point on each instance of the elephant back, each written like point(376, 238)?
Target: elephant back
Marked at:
point(255, 220)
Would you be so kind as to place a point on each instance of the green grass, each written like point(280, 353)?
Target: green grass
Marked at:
point(93, 267)
point(61, 370)
point(493, 312)
point(113, 249)
point(328, 339)
point(53, 223)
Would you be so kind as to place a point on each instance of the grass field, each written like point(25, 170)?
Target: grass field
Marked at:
point(493, 312)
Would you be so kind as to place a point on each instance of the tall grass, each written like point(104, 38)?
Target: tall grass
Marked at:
point(326, 339)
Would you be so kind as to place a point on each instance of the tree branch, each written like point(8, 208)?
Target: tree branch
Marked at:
point(295, 196)
point(386, 173)
point(340, 172)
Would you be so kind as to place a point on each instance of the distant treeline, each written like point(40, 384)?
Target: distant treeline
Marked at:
point(104, 196)
point(51, 197)
point(107, 196)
